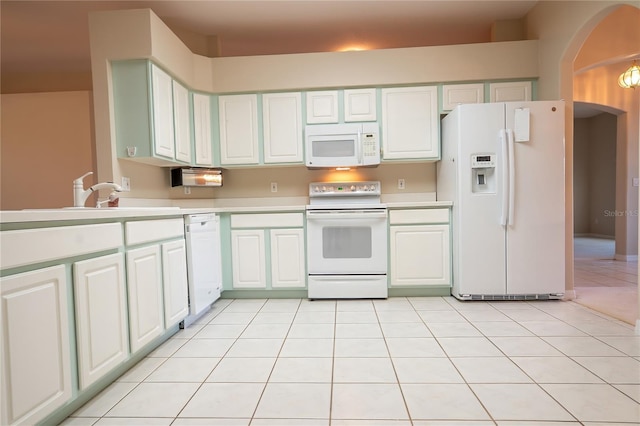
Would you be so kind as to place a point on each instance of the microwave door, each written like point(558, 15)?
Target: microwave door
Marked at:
point(332, 151)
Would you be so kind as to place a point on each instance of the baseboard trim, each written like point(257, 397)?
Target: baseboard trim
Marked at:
point(626, 257)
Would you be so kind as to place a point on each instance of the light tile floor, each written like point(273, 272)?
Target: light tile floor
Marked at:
point(602, 283)
point(396, 362)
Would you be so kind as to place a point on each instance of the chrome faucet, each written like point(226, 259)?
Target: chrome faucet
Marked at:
point(80, 195)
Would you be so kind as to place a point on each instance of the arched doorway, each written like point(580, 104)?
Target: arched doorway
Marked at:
point(604, 280)
point(598, 54)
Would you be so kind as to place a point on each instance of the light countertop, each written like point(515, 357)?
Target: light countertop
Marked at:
point(253, 205)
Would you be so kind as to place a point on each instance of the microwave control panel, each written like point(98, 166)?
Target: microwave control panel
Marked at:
point(369, 144)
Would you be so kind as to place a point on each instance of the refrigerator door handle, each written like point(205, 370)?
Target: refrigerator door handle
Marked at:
point(504, 179)
point(512, 174)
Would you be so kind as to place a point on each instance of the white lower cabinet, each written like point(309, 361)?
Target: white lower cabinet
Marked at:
point(267, 251)
point(144, 279)
point(248, 258)
point(287, 258)
point(419, 251)
point(36, 363)
point(176, 287)
point(101, 316)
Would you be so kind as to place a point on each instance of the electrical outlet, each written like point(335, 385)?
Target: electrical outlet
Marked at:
point(274, 186)
point(187, 190)
point(400, 183)
point(126, 184)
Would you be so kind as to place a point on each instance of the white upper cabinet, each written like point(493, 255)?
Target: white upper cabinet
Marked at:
point(36, 360)
point(282, 127)
point(513, 91)
point(151, 114)
point(182, 122)
point(360, 105)
point(202, 130)
point(456, 94)
point(162, 111)
point(322, 107)
point(410, 123)
point(239, 129)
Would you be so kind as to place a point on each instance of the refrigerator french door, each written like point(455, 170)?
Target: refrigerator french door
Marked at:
point(503, 168)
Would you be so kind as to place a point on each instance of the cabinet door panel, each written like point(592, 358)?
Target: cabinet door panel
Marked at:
point(36, 363)
point(144, 279)
point(420, 255)
point(162, 110)
point(410, 123)
point(456, 94)
point(322, 107)
point(101, 316)
point(360, 105)
point(287, 258)
point(248, 259)
point(512, 91)
point(239, 129)
point(181, 122)
point(174, 271)
point(202, 130)
point(282, 118)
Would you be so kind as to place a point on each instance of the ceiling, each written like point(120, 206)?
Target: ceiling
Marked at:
point(53, 36)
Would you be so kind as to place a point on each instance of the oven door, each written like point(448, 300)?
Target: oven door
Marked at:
point(347, 242)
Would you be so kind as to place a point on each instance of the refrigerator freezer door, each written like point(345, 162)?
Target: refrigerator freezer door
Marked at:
point(535, 236)
point(481, 237)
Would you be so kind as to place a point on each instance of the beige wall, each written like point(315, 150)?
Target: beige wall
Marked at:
point(294, 181)
point(595, 175)
point(47, 141)
point(581, 188)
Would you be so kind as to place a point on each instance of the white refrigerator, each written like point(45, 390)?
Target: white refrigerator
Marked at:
point(502, 167)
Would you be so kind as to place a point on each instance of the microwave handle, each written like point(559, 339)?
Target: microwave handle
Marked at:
point(359, 148)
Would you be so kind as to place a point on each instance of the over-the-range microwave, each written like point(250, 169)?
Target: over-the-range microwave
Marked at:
point(342, 145)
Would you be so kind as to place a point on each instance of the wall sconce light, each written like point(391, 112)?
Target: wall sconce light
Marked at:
point(631, 77)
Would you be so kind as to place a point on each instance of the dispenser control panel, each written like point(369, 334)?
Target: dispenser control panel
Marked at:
point(483, 167)
point(482, 161)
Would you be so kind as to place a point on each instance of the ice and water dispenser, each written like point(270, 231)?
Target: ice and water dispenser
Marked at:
point(483, 173)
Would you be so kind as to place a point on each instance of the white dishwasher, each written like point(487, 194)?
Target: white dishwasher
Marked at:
point(204, 262)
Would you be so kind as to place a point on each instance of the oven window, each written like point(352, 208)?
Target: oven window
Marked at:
point(346, 242)
point(334, 148)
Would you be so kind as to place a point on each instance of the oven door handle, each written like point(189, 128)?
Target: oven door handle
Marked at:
point(346, 215)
